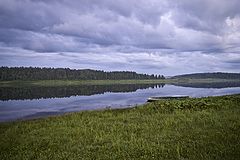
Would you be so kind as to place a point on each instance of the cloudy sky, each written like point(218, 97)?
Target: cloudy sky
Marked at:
point(147, 36)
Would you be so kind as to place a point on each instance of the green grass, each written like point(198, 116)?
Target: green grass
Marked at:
point(205, 128)
point(56, 83)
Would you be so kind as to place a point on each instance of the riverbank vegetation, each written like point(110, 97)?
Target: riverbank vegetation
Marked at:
point(56, 83)
point(195, 128)
point(53, 77)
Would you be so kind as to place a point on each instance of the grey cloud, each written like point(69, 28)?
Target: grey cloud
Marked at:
point(164, 63)
point(126, 30)
point(206, 15)
point(139, 24)
point(27, 15)
point(37, 41)
point(234, 61)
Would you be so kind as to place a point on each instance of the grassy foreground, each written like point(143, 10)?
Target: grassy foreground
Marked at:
point(205, 128)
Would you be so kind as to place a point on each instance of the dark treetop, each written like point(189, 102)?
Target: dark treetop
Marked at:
point(35, 73)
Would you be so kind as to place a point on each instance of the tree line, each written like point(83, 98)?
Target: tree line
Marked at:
point(37, 73)
point(219, 75)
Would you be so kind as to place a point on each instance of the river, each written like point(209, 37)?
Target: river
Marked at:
point(28, 103)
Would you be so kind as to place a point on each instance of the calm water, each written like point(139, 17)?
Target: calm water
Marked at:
point(24, 103)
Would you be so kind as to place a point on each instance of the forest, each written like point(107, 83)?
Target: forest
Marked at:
point(219, 75)
point(37, 73)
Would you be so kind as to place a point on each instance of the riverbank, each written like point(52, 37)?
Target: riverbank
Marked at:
point(58, 83)
point(195, 128)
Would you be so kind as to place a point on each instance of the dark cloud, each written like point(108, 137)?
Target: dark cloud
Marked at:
point(128, 30)
point(206, 15)
point(27, 15)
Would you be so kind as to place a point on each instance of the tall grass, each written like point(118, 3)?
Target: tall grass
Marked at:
point(204, 128)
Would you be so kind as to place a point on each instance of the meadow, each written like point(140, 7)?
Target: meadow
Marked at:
point(194, 128)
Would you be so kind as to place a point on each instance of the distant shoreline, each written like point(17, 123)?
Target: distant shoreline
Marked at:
point(56, 83)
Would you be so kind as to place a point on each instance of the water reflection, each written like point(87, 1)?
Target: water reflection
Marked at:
point(88, 90)
point(228, 84)
point(67, 91)
point(22, 103)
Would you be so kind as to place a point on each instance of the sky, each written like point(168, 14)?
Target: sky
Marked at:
point(167, 37)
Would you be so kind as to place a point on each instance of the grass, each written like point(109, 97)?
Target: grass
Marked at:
point(204, 128)
point(56, 83)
